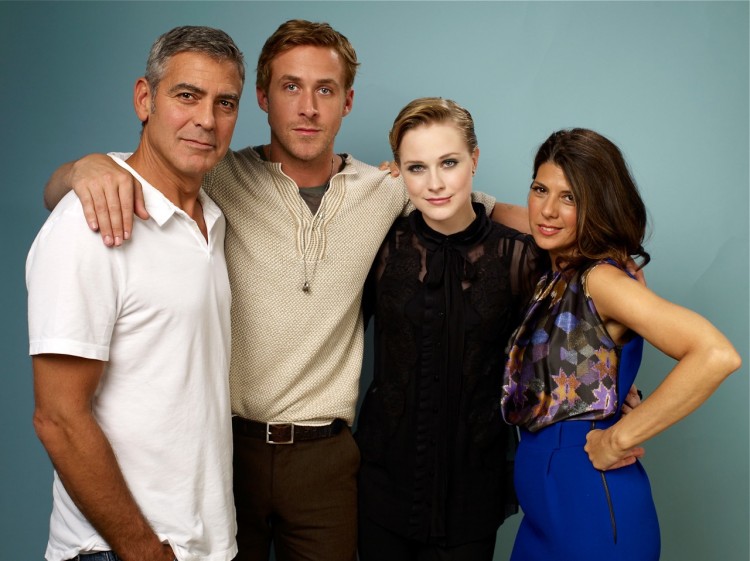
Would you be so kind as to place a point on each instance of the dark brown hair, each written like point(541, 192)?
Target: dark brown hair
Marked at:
point(299, 33)
point(611, 217)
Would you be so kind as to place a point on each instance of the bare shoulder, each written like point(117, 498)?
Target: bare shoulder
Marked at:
point(614, 291)
point(623, 301)
point(603, 274)
point(610, 288)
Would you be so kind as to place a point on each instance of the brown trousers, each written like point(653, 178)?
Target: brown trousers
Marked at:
point(301, 497)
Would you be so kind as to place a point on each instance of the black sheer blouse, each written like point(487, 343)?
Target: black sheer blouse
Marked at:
point(436, 455)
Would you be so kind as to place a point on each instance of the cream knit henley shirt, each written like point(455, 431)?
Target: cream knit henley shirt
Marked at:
point(296, 355)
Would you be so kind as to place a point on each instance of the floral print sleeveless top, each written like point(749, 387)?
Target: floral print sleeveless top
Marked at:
point(561, 362)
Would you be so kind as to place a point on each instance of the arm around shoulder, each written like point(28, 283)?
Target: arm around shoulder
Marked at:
point(58, 185)
point(109, 195)
point(513, 216)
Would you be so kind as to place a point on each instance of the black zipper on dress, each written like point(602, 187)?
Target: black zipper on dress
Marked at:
point(609, 498)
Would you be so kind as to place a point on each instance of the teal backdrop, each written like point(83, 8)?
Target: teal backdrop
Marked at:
point(667, 81)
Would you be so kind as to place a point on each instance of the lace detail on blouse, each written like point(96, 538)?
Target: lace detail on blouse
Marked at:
point(430, 422)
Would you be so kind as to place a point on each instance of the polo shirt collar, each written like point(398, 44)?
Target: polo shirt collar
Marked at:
point(160, 208)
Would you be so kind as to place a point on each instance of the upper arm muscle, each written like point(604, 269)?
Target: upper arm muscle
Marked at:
point(670, 328)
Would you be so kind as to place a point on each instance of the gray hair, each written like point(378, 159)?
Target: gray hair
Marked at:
point(190, 38)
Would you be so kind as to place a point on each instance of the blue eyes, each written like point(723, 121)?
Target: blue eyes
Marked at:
point(418, 168)
point(294, 87)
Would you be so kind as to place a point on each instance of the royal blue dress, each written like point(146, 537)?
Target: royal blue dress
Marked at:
point(565, 376)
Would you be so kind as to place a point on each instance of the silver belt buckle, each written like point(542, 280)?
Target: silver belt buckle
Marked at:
point(269, 439)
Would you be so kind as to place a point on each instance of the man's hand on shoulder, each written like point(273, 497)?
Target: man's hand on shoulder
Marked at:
point(109, 195)
point(390, 166)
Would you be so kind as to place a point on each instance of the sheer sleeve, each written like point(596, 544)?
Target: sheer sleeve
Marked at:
point(527, 264)
point(369, 294)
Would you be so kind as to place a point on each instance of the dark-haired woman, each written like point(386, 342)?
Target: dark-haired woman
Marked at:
point(584, 493)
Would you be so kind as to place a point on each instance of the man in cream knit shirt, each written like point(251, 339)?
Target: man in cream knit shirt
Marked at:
point(303, 226)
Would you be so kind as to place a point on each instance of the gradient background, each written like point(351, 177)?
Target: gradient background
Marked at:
point(667, 81)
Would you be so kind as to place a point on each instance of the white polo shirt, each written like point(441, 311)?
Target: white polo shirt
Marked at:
point(156, 309)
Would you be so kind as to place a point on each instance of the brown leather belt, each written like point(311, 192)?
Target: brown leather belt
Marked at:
point(285, 433)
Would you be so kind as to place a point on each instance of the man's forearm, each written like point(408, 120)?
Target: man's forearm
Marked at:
point(57, 186)
point(513, 216)
point(87, 466)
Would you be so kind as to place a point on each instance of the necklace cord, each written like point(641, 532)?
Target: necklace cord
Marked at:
point(316, 222)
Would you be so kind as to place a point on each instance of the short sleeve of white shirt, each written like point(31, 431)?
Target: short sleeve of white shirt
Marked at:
point(72, 280)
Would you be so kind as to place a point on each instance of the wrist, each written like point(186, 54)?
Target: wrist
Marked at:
point(147, 548)
point(617, 439)
point(168, 553)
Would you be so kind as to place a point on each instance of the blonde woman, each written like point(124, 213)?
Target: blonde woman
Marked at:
point(448, 286)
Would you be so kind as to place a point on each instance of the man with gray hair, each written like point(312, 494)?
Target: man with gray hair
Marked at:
point(304, 225)
point(131, 347)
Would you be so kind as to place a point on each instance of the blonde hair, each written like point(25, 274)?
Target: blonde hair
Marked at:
point(428, 110)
